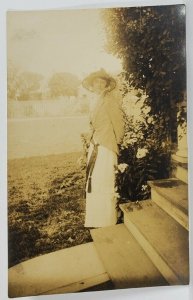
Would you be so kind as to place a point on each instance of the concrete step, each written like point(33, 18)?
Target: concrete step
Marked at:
point(163, 239)
point(181, 159)
point(65, 271)
point(172, 196)
point(180, 171)
point(125, 261)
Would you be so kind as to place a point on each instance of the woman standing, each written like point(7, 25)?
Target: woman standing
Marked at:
point(107, 125)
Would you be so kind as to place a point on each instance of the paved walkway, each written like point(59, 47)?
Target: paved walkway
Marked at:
point(69, 270)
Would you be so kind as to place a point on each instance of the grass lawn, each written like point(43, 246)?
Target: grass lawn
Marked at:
point(45, 205)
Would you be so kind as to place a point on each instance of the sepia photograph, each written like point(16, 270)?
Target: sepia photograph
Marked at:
point(97, 149)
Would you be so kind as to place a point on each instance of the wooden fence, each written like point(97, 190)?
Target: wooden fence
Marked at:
point(47, 108)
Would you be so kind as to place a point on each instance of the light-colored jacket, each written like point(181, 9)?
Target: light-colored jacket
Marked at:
point(107, 121)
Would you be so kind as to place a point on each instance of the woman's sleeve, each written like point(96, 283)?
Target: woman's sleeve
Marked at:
point(117, 120)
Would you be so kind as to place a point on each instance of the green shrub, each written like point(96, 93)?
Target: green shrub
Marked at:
point(144, 155)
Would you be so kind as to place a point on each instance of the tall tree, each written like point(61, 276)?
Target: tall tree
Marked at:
point(12, 80)
point(150, 41)
point(29, 83)
point(63, 84)
point(151, 44)
point(21, 84)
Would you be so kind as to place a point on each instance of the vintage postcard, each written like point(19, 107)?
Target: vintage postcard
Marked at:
point(97, 149)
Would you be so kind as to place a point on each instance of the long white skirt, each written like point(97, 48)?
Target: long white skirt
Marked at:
point(101, 202)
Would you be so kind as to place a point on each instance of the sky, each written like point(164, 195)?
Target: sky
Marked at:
point(59, 41)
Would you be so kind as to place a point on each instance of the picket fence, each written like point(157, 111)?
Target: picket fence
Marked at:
point(47, 108)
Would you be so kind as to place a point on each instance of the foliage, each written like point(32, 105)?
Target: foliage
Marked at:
point(150, 41)
point(12, 80)
point(182, 118)
point(85, 139)
point(22, 85)
point(143, 156)
point(63, 84)
point(25, 85)
point(29, 83)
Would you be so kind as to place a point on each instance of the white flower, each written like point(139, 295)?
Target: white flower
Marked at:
point(130, 141)
point(146, 109)
point(141, 152)
point(133, 140)
point(122, 167)
point(117, 195)
point(150, 120)
point(144, 187)
point(123, 146)
point(163, 144)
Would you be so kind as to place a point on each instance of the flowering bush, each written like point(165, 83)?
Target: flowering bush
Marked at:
point(153, 60)
point(144, 154)
point(122, 167)
point(82, 161)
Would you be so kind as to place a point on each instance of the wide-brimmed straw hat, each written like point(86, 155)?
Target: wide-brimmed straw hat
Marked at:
point(88, 81)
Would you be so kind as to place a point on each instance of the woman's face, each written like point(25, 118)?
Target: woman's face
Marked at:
point(99, 85)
